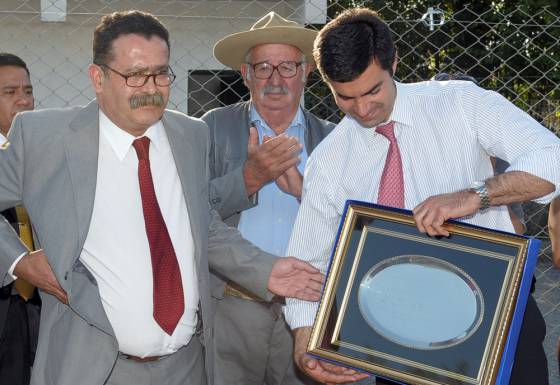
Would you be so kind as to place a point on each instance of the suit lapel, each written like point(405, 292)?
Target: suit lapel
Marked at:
point(81, 147)
point(82, 150)
point(243, 150)
point(244, 134)
point(187, 168)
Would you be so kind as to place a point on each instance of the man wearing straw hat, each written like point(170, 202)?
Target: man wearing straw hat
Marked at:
point(259, 148)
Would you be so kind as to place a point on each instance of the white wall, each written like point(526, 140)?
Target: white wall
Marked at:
point(58, 53)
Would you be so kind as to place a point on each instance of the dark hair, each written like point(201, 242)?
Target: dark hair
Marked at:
point(443, 76)
point(124, 23)
point(347, 45)
point(9, 59)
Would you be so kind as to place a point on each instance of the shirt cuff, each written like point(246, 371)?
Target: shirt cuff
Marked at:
point(13, 266)
point(300, 313)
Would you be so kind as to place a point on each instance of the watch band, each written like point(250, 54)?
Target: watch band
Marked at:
point(482, 192)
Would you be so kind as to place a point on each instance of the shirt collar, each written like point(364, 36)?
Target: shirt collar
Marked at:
point(402, 109)
point(3, 139)
point(298, 121)
point(121, 141)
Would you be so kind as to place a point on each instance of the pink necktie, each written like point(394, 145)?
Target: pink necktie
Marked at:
point(391, 188)
point(169, 303)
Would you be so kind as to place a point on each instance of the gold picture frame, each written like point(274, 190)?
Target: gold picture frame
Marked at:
point(418, 309)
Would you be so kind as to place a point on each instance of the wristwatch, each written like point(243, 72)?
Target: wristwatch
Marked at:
point(480, 189)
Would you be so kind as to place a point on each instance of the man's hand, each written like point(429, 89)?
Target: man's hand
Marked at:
point(291, 182)
point(503, 189)
point(293, 278)
point(268, 161)
point(431, 214)
point(35, 269)
point(319, 370)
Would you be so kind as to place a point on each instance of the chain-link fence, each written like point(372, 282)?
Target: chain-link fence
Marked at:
point(513, 49)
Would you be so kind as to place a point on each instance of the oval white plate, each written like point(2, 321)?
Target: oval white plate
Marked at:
point(421, 302)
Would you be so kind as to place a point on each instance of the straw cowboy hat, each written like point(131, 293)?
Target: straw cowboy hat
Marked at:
point(270, 29)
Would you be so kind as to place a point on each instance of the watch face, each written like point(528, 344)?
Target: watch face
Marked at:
point(476, 185)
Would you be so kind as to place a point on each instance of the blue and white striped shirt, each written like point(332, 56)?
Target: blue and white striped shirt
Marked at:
point(446, 132)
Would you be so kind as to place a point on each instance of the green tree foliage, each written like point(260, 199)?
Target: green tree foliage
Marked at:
point(512, 47)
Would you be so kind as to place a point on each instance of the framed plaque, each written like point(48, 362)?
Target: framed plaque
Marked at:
point(423, 310)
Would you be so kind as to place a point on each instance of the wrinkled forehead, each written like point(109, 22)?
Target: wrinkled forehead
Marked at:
point(134, 48)
point(275, 51)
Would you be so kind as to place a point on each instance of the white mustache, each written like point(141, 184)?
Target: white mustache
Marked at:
point(276, 90)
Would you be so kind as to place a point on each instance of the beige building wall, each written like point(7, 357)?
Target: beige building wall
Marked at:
point(58, 53)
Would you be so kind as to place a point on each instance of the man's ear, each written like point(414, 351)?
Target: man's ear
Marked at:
point(97, 77)
point(395, 61)
point(245, 74)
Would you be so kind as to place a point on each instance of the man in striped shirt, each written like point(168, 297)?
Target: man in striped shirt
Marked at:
point(442, 135)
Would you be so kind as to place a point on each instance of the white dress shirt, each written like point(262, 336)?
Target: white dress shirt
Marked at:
point(446, 133)
point(3, 139)
point(116, 250)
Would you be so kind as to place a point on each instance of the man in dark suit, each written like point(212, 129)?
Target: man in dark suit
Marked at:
point(19, 312)
point(118, 195)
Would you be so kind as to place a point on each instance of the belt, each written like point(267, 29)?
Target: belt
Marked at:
point(142, 359)
point(237, 291)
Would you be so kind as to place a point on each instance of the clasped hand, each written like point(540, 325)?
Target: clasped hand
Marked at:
point(275, 159)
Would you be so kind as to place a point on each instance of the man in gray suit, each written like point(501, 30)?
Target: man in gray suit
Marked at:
point(19, 304)
point(257, 148)
point(117, 192)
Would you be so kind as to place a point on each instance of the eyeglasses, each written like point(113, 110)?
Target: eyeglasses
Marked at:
point(286, 69)
point(162, 79)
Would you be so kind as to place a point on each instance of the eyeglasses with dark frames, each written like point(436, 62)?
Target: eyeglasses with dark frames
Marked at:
point(162, 79)
point(286, 69)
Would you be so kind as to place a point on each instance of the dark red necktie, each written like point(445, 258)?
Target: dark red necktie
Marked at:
point(169, 303)
point(391, 187)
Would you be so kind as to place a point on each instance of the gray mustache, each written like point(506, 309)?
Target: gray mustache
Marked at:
point(276, 90)
point(137, 101)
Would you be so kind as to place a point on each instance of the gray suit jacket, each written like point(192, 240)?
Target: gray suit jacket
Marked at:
point(5, 292)
point(51, 167)
point(229, 131)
